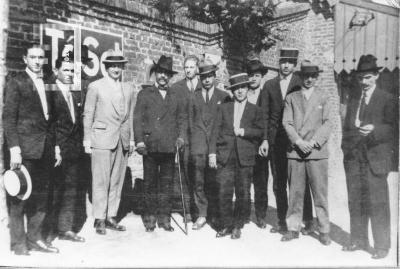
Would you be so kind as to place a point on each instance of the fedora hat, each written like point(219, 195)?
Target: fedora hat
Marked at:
point(256, 65)
point(367, 63)
point(85, 54)
point(165, 63)
point(309, 68)
point(238, 79)
point(114, 56)
point(289, 53)
point(207, 67)
point(18, 183)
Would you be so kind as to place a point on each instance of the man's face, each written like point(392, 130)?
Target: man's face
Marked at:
point(162, 77)
point(309, 79)
point(114, 70)
point(190, 69)
point(255, 80)
point(65, 73)
point(286, 66)
point(240, 92)
point(34, 59)
point(367, 80)
point(207, 80)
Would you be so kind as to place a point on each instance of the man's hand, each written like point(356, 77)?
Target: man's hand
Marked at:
point(131, 148)
point(141, 148)
point(366, 129)
point(179, 143)
point(238, 131)
point(88, 150)
point(58, 158)
point(263, 149)
point(212, 161)
point(304, 146)
point(15, 160)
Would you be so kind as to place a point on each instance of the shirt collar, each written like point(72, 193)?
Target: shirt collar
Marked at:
point(63, 87)
point(158, 86)
point(33, 75)
point(241, 103)
point(370, 91)
point(287, 78)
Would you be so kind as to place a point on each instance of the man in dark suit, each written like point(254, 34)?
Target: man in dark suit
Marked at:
point(27, 119)
point(368, 139)
point(234, 142)
point(276, 141)
point(202, 112)
point(185, 88)
point(160, 126)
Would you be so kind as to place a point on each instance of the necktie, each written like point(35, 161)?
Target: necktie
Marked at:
point(363, 105)
point(191, 86)
point(70, 105)
point(207, 97)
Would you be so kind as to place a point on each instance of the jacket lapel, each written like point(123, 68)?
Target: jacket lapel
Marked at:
point(166, 103)
point(201, 103)
point(312, 103)
point(373, 103)
point(36, 96)
point(245, 114)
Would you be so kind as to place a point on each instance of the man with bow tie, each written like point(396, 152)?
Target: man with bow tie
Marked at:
point(160, 125)
point(108, 137)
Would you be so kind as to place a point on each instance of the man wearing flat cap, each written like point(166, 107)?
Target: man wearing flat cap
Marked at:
point(368, 149)
point(234, 143)
point(307, 119)
point(202, 113)
point(275, 142)
point(108, 137)
point(160, 125)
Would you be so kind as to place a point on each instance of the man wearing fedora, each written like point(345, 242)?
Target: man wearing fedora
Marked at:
point(27, 119)
point(108, 137)
point(160, 125)
point(202, 113)
point(235, 138)
point(276, 141)
point(307, 119)
point(368, 149)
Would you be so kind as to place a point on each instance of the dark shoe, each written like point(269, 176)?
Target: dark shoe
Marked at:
point(21, 251)
point(200, 222)
point(150, 229)
point(42, 247)
point(290, 235)
point(261, 223)
point(353, 247)
point(224, 232)
point(167, 227)
point(71, 236)
point(380, 254)
point(112, 224)
point(282, 229)
point(236, 233)
point(100, 226)
point(308, 229)
point(324, 239)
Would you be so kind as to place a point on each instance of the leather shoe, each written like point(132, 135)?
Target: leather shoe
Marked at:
point(100, 226)
point(71, 236)
point(200, 222)
point(112, 224)
point(224, 232)
point(380, 254)
point(42, 247)
point(290, 235)
point(308, 229)
point(150, 229)
point(21, 251)
point(353, 247)
point(167, 227)
point(236, 233)
point(279, 229)
point(324, 239)
point(261, 223)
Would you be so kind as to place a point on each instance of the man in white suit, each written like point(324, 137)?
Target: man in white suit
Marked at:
point(108, 137)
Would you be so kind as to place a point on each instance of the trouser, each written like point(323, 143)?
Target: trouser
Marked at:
point(260, 182)
point(108, 169)
point(186, 169)
point(279, 167)
point(35, 206)
point(234, 178)
point(368, 199)
point(158, 173)
point(205, 186)
point(316, 171)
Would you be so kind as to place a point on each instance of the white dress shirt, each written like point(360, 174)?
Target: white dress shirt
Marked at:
point(238, 109)
point(162, 92)
point(368, 95)
point(39, 84)
point(192, 83)
point(307, 92)
point(210, 93)
point(66, 92)
point(284, 83)
point(252, 95)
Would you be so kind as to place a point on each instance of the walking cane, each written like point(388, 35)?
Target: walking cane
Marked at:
point(181, 188)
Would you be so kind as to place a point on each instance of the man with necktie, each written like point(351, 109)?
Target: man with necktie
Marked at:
point(108, 137)
point(368, 150)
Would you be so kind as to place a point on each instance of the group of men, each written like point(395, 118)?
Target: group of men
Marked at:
point(223, 138)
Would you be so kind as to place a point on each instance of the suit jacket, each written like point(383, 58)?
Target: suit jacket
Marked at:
point(69, 134)
point(272, 103)
point(201, 119)
point(24, 122)
point(159, 122)
point(182, 89)
point(103, 124)
point(314, 122)
point(378, 146)
point(224, 141)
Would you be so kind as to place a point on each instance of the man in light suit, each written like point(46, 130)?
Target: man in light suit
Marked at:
point(108, 137)
point(368, 149)
point(307, 119)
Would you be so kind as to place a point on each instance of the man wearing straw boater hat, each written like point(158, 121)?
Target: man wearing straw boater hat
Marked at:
point(307, 119)
point(275, 142)
point(160, 124)
point(27, 118)
point(235, 138)
point(368, 149)
point(108, 137)
point(202, 113)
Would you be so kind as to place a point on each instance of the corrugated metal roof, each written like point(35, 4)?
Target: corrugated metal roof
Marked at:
point(380, 35)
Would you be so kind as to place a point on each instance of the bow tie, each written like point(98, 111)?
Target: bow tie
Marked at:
point(162, 88)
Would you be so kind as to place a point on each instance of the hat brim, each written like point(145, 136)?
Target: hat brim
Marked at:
point(208, 71)
point(115, 61)
point(239, 84)
point(156, 66)
point(7, 178)
point(310, 72)
point(28, 182)
point(378, 68)
point(263, 70)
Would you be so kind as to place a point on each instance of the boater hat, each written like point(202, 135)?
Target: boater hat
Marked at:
point(367, 63)
point(115, 57)
point(289, 53)
point(18, 183)
point(238, 79)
